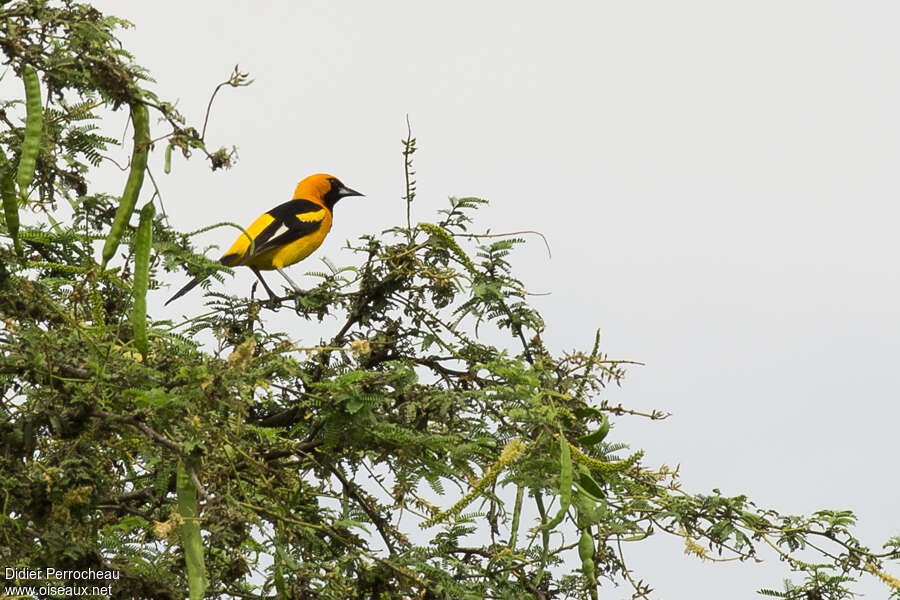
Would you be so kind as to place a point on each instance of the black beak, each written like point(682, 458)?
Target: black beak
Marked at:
point(344, 191)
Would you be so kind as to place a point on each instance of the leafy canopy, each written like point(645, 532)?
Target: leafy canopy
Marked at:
point(398, 455)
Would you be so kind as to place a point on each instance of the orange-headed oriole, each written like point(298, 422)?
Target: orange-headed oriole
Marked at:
point(286, 234)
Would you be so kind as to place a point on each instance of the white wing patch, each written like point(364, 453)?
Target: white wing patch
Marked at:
point(281, 230)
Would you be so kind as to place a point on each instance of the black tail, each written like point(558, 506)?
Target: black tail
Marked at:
point(227, 260)
point(191, 285)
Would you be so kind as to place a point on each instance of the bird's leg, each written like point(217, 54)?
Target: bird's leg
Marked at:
point(272, 297)
point(290, 281)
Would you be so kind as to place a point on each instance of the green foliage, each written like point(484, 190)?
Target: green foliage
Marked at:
point(396, 454)
point(817, 585)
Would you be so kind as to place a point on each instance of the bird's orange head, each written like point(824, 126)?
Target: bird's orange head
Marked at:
point(324, 189)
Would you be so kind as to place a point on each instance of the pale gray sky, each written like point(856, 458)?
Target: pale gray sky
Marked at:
point(718, 182)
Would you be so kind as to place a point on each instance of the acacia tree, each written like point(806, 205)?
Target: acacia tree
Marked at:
point(400, 456)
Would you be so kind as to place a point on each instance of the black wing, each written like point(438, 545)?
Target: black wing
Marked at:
point(285, 227)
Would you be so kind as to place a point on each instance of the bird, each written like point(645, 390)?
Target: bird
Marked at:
point(285, 234)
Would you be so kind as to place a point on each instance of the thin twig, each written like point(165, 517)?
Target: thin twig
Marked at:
point(196, 481)
point(377, 520)
point(409, 147)
point(157, 194)
point(507, 234)
point(237, 79)
point(135, 422)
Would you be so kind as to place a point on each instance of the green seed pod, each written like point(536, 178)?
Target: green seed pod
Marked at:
point(10, 203)
point(168, 166)
point(604, 425)
point(34, 125)
point(142, 245)
point(191, 540)
point(599, 435)
point(141, 119)
point(565, 482)
point(588, 568)
point(586, 545)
